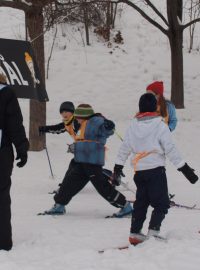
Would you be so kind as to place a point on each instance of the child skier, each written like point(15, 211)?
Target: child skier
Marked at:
point(89, 157)
point(149, 140)
point(165, 107)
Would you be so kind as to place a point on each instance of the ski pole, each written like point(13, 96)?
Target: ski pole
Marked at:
point(118, 135)
point(125, 185)
point(49, 162)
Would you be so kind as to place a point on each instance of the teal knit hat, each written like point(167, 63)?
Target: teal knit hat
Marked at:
point(83, 111)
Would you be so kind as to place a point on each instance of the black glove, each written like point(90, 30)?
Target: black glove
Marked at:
point(23, 159)
point(189, 173)
point(108, 124)
point(42, 130)
point(71, 148)
point(117, 175)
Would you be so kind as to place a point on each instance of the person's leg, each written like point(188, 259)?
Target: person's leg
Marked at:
point(6, 165)
point(159, 199)
point(141, 203)
point(74, 181)
point(104, 188)
point(65, 177)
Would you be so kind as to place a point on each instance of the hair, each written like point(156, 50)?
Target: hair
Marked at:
point(162, 103)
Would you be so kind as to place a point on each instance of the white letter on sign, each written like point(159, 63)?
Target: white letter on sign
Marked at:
point(20, 75)
point(13, 76)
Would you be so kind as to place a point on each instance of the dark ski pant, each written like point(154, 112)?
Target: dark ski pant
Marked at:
point(6, 165)
point(78, 175)
point(152, 191)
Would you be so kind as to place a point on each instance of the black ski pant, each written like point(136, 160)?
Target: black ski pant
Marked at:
point(6, 165)
point(152, 191)
point(78, 175)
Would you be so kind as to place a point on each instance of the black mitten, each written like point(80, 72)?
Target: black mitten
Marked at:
point(117, 175)
point(23, 159)
point(108, 124)
point(188, 172)
point(71, 148)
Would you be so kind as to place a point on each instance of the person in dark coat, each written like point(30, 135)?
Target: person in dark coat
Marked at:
point(89, 157)
point(11, 132)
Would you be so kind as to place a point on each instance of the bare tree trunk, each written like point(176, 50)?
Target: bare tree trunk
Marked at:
point(86, 22)
point(191, 33)
point(177, 84)
point(108, 20)
point(35, 24)
point(51, 52)
point(175, 35)
point(114, 15)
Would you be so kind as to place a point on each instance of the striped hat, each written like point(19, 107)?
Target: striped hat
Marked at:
point(83, 111)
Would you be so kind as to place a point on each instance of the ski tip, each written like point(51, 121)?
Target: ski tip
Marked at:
point(40, 214)
point(114, 248)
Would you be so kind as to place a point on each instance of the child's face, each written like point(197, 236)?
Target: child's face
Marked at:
point(66, 115)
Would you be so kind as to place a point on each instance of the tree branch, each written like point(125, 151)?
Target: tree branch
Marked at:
point(144, 15)
point(157, 11)
point(190, 23)
point(14, 4)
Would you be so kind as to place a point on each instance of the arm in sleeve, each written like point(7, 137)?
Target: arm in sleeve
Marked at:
point(170, 149)
point(172, 116)
point(125, 149)
point(55, 129)
point(14, 125)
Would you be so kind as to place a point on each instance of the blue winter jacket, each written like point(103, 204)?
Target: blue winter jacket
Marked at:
point(93, 152)
point(172, 115)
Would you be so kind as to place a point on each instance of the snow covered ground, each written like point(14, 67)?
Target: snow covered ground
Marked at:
point(112, 83)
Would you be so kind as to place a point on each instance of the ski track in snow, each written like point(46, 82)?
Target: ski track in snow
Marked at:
point(112, 83)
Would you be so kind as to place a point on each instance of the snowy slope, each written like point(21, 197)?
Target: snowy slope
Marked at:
point(112, 83)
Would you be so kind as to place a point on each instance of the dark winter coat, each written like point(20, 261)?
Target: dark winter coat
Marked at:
point(11, 122)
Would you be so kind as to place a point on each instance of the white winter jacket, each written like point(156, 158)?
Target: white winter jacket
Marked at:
point(146, 135)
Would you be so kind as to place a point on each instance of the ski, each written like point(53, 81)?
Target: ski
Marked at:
point(115, 248)
point(47, 214)
point(115, 216)
point(126, 247)
point(42, 214)
point(193, 207)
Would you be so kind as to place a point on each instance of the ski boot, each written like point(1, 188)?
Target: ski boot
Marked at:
point(155, 234)
point(57, 209)
point(125, 211)
point(152, 233)
point(136, 238)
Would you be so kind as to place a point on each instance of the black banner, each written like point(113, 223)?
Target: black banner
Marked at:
point(18, 63)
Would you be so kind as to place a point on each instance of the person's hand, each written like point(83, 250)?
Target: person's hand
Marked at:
point(71, 148)
point(22, 160)
point(117, 175)
point(188, 172)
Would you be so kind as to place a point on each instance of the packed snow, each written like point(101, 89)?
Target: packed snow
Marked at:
point(111, 80)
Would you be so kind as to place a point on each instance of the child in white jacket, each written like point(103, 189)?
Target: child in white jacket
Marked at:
point(149, 140)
